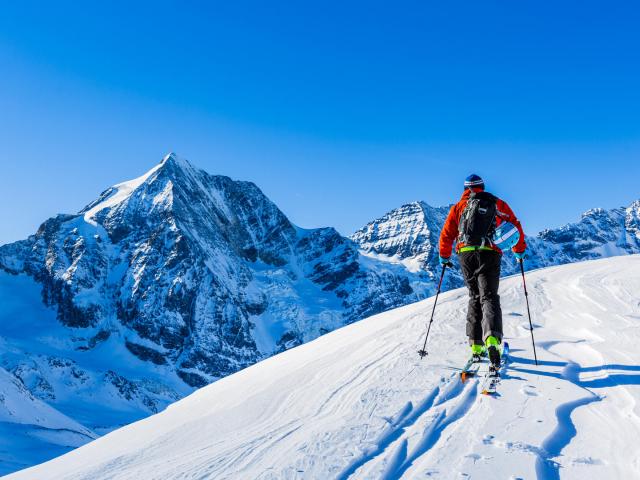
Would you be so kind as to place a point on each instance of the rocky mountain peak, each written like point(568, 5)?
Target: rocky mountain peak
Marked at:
point(198, 272)
point(410, 231)
point(174, 159)
point(176, 169)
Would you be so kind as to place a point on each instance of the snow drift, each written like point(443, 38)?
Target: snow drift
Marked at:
point(358, 403)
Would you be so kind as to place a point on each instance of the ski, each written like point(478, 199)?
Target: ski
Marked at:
point(492, 378)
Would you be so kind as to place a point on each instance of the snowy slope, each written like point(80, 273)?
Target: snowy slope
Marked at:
point(31, 431)
point(53, 397)
point(357, 403)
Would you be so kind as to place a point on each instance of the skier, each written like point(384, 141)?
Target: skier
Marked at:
point(480, 224)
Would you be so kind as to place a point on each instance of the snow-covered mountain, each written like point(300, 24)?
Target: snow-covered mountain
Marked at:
point(168, 282)
point(408, 236)
point(178, 278)
point(359, 404)
point(31, 429)
point(599, 233)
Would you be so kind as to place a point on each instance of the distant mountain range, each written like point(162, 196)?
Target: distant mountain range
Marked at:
point(408, 236)
point(178, 278)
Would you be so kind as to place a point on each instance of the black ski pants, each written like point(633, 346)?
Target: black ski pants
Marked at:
point(481, 271)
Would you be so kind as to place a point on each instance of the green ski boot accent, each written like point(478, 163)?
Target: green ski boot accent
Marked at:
point(477, 352)
point(477, 349)
point(493, 348)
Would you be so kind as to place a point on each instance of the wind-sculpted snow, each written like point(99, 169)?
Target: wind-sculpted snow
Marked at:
point(358, 403)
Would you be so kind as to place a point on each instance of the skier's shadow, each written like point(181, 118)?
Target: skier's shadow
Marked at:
point(611, 379)
point(552, 446)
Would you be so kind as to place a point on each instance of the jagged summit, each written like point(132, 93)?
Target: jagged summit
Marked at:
point(172, 168)
point(174, 158)
point(407, 235)
point(173, 280)
point(174, 165)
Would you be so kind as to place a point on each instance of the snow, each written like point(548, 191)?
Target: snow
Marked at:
point(18, 406)
point(53, 396)
point(30, 430)
point(412, 264)
point(122, 191)
point(358, 403)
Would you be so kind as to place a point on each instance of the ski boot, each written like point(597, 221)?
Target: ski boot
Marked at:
point(493, 350)
point(477, 352)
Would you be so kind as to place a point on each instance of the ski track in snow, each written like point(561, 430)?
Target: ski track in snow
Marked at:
point(404, 459)
point(402, 420)
point(357, 404)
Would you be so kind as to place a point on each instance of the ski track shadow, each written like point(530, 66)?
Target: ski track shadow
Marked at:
point(406, 417)
point(401, 461)
point(552, 446)
point(507, 376)
point(611, 380)
point(565, 430)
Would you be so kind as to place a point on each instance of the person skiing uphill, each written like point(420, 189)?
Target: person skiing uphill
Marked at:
point(480, 224)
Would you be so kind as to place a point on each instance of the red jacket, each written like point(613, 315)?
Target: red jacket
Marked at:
point(450, 230)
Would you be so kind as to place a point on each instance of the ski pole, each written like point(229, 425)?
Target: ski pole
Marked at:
point(526, 297)
point(423, 352)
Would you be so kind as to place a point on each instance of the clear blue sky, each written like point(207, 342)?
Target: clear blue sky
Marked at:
point(339, 111)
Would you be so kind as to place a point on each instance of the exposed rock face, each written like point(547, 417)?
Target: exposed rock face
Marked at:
point(199, 272)
point(410, 231)
point(409, 236)
point(599, 233)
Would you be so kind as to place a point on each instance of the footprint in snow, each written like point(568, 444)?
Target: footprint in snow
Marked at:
point(477, 457)
point(586, 461)
point(529, 390)
point(488, 439)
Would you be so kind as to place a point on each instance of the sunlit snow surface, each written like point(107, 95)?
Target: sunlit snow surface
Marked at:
point(117, 194)
point(358, 403)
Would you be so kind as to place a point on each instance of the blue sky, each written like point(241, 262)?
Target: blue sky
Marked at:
point(339, 111)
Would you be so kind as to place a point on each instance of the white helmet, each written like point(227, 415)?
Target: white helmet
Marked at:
point(506, 236)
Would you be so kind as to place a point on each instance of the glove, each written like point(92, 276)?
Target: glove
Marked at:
point(520, 256)
point(445, 262)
